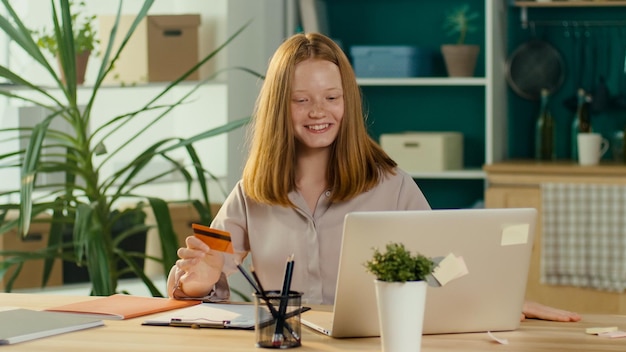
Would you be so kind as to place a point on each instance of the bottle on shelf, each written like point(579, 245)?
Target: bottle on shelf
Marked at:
point(624, 146)
point(545, 130)
point(582, 120)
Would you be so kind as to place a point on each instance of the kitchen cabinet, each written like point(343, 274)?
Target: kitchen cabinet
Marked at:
point(474, 106)
point(515, 184)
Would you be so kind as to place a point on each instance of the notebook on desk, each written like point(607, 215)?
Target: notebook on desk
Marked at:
point(496, 245)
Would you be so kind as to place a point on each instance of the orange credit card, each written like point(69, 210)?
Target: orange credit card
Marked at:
point(216, 239)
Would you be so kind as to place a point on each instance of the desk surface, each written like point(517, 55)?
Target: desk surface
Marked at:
point(130, 335)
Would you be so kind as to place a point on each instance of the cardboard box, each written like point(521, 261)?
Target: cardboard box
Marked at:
point(391, 61)
point(162, 48)
point(425, 151)
point(32, 271)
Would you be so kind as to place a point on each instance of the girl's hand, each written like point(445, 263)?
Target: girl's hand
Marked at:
point(202, 267)
point(540, 311)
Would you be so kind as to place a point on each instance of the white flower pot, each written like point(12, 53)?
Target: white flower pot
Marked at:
point(401, 314)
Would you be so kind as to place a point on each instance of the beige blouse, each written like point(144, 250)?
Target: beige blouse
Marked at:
point(272, 233)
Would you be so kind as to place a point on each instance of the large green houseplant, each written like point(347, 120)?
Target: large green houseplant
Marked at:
point(86, 204)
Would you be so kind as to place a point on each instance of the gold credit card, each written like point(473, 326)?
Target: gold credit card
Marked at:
point(216, 239)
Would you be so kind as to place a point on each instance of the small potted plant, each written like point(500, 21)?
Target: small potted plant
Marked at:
point(400, 294)
point(85, 39)
point(460, 58)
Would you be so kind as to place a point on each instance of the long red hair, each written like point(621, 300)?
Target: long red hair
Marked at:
point(357, 162)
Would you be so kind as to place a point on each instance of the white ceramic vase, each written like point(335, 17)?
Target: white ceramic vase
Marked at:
point(401, 314)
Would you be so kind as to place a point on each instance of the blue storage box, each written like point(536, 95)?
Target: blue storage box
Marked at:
point(390, 61)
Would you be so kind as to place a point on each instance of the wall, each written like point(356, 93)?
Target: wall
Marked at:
point(393, 109)
point(36, 14)
point(207, 108)
point(605, 55)
point(268, 27)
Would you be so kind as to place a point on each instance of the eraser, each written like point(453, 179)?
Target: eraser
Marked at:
point(216, 239)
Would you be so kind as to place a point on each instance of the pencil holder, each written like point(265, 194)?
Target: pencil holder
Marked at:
point(277, 319)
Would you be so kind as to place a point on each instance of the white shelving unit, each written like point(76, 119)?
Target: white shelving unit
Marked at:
point(493, 83)
point(423, 81)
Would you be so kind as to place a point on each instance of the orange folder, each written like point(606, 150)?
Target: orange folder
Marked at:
point(122, 306)
point(216, 239)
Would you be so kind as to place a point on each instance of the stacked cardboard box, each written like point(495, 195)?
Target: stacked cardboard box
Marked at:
point(161, 49)
point(31, 274)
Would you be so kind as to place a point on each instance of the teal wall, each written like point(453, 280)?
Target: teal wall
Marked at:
point(396, 109)
point(604, 55)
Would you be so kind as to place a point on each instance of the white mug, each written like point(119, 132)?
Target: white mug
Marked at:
point(591, 147)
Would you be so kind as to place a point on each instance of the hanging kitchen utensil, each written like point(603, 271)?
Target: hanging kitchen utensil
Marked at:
point(619, 100)
point(535, 65)
point(579, 54)
point(600, 92)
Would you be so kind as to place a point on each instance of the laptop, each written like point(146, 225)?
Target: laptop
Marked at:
point(495, 244)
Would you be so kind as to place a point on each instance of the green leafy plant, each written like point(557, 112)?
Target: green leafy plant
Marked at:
point(86, 203)
point(397, 264)
point(459, 22)
point(85, 34)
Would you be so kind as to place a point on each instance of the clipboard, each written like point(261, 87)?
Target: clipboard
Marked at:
point(211, 315)
point(216, 239)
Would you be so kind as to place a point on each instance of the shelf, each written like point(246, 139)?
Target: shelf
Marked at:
point(216, 82)
point(423, 81)
point(581, 3)
point(468, 174)
point(524, 5)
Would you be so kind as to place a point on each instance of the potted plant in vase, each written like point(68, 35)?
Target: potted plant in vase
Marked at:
point(85, 40)
point(400, 295)
point(460, 58)
point(87, 202)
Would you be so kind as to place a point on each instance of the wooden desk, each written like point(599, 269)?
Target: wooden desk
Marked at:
point(130, 335)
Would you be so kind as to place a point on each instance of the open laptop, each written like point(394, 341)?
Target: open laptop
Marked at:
point(496, 245)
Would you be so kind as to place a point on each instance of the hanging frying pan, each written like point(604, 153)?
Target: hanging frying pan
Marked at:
point(535, 65)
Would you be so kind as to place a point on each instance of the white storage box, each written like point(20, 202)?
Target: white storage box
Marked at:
point(425, 151)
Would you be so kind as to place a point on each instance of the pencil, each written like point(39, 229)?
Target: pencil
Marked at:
point(258, 288)
point(284, 299)
point(248, 278)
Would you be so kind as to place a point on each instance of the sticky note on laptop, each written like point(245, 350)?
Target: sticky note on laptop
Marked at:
point(450, 268)
point(216, 239)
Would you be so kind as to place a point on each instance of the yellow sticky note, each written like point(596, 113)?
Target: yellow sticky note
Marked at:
point(600, 330)
point(514, 234)
point(450, 268)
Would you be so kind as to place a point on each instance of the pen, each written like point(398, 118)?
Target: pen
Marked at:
point(271, 307)
point(284, 299)
point(197, 325)
point(254, 285)
point(291, 314)
point(258, 288)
